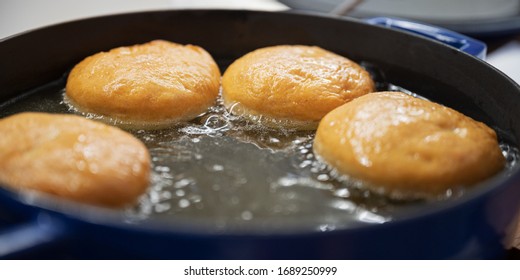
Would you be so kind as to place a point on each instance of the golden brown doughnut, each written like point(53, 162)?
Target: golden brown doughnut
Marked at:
point(292, 86)
point(145, 86)
point(72, 157)
point(407, 145)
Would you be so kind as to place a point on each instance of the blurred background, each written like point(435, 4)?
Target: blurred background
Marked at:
point(497, 22)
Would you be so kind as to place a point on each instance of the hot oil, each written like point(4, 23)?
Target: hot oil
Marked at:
point(227, 172)
point(230, 172)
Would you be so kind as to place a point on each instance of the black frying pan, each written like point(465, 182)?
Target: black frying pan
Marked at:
point(477, 225)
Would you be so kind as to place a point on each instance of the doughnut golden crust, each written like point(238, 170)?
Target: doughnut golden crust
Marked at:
point(145, 86)
point(407, 145)
point(292, 86)
point(72, 157)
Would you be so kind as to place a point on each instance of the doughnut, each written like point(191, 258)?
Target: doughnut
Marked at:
point(292, 86)
point(404, 145)
point(72, 157)
point(146, 86)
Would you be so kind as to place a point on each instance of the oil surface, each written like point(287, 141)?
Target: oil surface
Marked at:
point(228, 173)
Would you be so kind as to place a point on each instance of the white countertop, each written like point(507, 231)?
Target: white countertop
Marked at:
point(21, 15)
point(507, 59)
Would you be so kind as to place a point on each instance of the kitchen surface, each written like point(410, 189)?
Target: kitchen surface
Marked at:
point(492, 27)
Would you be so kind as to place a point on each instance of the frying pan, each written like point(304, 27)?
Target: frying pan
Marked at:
point(479, 224)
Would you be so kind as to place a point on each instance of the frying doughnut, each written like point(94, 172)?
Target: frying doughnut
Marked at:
point(151, 85)
point(405, 145)
point(72, 157)
point(292, 86)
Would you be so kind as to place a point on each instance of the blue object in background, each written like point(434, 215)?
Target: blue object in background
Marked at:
point(448, 37)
